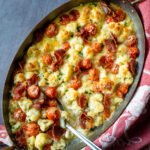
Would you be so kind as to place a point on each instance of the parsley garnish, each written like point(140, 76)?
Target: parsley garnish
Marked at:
point(81, 54)
point(88, 92)
point(94, 3)
point(67, 56)
point(125, 24)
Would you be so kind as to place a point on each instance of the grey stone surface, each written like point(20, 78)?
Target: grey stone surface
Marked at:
point(17, 18)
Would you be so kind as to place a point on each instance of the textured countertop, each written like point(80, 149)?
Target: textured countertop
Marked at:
point(17, 18)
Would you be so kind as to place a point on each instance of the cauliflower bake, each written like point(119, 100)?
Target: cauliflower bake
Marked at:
point(85, 60)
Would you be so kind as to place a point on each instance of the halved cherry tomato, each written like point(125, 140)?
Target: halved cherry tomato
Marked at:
point(33, 91)
point(66, 46)
point(51, 30)
point(53, 113)
point(31, 129)
point(96, 47)
point(133, 52)
point(119, 15)
point(74, 15)
point(64, 19)
point(85, 64)
point(76, 83)
point(121, 89)
point(33, 80)
point(94, 74)
point(19, 115)
point(47, 59)
point(131, 41)
point(51, 92)
point(107, 61)
point(91, 29)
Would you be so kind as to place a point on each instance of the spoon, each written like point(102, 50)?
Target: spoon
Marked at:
point(83, 138)
point(77, 133)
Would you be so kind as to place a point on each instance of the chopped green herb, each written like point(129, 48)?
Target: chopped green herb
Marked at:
point(81, 54)
point(61, 73)
point(94, 3)
point(46, 79)
point(125, 24)
point(88, 92)
point(67, 56)
point(59, 76)
point(72, 34)
point(78, 28)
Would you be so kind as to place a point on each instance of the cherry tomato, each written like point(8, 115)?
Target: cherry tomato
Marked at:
point(133, 52)
point(121, 89)
point(51, 92)
point(51, 30)
point(31, 129)
point(85, 64)
point(47, 59)
point(91, 29)
point(66, 46)
point(96, 47)
point(74, 15)
point(94, 74)
point(19, 115)
point(76, 83)
point(33, 91)
point(53, 113)
point(64, 19)
point(131, 41)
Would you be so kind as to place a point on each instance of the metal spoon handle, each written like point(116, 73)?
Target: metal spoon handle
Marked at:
point(135, 1)
point(83, 138)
